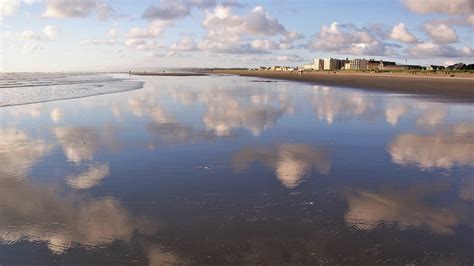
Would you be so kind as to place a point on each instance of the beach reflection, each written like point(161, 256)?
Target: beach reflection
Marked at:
point(291, 162)
point(212, 171)
point(228, 109)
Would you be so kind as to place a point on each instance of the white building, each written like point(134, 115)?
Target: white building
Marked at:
point(333, 64)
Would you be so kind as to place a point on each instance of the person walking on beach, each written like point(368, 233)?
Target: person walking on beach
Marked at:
point(129, 73)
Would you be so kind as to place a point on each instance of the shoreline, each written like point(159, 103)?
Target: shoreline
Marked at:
point(458, 87)
point(171, 74)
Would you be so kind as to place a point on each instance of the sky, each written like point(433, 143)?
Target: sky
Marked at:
point(81, 35)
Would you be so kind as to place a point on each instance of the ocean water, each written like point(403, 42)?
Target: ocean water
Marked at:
point(226, 170)
point(25, 88)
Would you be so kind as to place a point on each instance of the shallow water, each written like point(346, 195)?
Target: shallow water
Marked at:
point(224, 170)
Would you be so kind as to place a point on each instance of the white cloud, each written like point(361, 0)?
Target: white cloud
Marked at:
point(401, 33)
point(113, 33)
point(77, 9)
point(31, 47)
point(289, 58)
point(142, 44)
point(8, 7)
point(167, 11)
point(441, 33)
point(184, 44)
point(451, 7)
point(153, 30)
point(264, 45)
point(230, 33)
point(99, 42)
point(429, 49)
point(51, 32)
point(30, 35)
point(348, 39)
point(220, 22)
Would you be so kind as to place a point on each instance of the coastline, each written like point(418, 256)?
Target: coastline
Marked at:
point(443, 85)
point(171, 74)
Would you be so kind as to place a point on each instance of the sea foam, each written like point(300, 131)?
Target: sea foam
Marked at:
point(26, 88)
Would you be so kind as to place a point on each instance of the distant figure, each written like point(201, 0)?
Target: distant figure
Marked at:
point(129, 73)
point(301, 72)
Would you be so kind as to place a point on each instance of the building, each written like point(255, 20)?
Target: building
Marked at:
point(381, 65)
point(358, 64)
point(435, 68)
point(318, 64)
point(333, 64)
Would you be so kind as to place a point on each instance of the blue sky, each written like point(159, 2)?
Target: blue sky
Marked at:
point(67, 35)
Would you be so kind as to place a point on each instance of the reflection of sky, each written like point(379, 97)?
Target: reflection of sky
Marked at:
point(67, 156)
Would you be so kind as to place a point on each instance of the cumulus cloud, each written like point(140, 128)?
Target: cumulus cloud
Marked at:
point(220, 22)
point(291, 162)
point(113, 33)
point(429, 49)
point(31, 47)
point(30, 35)
point(401, 33)
point(440, 150)
point(348, 39)
point(51, 32)
point(441, 33)
point(229, 33)
point(10, 7)
point(451, 7)
point(184, 44)
point(99, 42)
point(153, 30)
point(168, 11)
point(289, 58)
point(77, 9)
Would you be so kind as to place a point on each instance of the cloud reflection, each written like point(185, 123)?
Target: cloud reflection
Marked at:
point(38, 213)
point(368, 210)
point(89, 178)
point(333, 104)
point(19, 152)
point(443, 149)
point(291, 162)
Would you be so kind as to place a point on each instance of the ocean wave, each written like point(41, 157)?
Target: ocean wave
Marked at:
point(27, 88)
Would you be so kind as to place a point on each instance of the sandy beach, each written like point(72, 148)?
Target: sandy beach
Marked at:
point(461, 85)
point(170, 74)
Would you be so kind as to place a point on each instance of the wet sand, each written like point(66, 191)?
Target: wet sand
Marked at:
point(461, 85)
point(168, 74)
